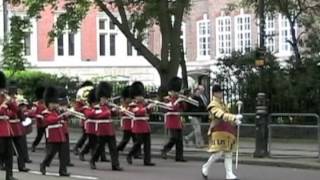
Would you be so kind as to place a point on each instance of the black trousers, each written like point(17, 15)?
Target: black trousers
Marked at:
point(20, 150)
point(145, 140)
point(25, 148)
point(82, 139)
point(176, 138)
point(6, 153)
point(90, 146)
point(100, 149)
point(52, 149)
point(40, 133)
point(66, 149)
point(127, 135)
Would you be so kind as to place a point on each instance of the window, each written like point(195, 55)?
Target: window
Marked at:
point(223, 30)
point(284, 35)
point(107, 38)
point(27, 44)
point(66, 44)
point(203, 38)
point(270, 33)
point(243, 32)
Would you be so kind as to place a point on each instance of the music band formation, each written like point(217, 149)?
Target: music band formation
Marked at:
point(95, 110)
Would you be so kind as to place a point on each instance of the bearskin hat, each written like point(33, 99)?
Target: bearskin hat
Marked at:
point(3, 80)
point(104, 89)
point(175, 84)
point(91, 98)
point(12, 87)
point(63, 96)
point(51, 95)
point(126, 92)
point(137, 89)
point(39, 92)
point(86, 83)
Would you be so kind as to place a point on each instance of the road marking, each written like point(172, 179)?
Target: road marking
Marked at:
point(74, 176)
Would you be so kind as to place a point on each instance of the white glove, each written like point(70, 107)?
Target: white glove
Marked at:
point(239, 117)
point(98, 111)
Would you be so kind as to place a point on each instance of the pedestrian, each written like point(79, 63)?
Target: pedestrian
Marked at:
point(222, 133)
point(196, 119)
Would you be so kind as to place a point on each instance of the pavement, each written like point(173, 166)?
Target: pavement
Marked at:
point(292, 153)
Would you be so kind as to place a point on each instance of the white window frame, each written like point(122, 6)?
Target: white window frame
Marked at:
point(206, 36)
point(223, 36)
point(66, 58)
point(270, 30)
point(33, 30)
point(107, 32)
point(285, 49)
point(243, 34)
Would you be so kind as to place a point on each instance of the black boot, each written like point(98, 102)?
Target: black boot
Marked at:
point(149, 164)
point(65, 174)
point(129, 159)
point(116, 168)
point(43, 169)
point(11, 178)
point(24, 169)
point(93, 165)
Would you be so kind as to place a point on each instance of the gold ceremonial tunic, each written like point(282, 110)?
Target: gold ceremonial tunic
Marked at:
point(222, 129)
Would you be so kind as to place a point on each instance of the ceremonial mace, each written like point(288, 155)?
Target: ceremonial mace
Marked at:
point(239, 104)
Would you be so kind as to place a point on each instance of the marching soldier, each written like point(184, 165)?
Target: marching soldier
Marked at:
point(37, 109)
point(126, 122)
point(81, 101)
point(104, 127)
point(54, 132)
point(140, 124)
point(17, 128)
point(222, 133)
point(6, 148)
point(173, 121)
point(63, 103)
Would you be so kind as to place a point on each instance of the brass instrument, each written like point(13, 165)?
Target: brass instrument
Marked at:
point(188, 100)
point(122, 109)
point(72, 112)
point(159, 104)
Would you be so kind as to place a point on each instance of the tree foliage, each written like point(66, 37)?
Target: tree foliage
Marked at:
point(13, 49)
point(133, 20)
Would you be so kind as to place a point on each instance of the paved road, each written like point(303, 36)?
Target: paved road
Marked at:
point(165, 170)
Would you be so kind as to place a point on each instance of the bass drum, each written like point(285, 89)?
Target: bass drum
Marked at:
point(27, 124)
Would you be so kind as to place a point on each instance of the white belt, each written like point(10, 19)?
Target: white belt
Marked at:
point(52, 127)
point(124, 118)
point(169, 114)
point(4, 118)
point(14, 120)
point(139, 119)
point(100, 121)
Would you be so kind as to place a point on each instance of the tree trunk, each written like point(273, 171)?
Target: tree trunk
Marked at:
point(183, 66)
point(295, 45)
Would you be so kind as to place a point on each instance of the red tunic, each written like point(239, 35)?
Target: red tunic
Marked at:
point(15, 123)
point(172, 117)
point(140, 123)
point(126, 121)
point(65, 123)
point(5, 128)
point(54, 128)
point(89, 123)
point(104, 125)
point(79, 106)
point(38, 107)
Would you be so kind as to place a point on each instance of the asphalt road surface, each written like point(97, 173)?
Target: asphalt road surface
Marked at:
point(164, 170)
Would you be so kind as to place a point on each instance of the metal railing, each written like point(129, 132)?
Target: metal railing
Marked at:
point(272, 115)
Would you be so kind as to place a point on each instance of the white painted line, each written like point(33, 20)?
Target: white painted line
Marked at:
point(57, 174)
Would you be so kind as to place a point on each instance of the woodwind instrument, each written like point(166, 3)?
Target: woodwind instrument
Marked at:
point(189, 100)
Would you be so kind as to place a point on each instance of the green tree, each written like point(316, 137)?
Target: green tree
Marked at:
point(136, 16)
point(13, 56)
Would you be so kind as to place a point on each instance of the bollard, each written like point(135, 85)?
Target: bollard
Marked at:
point(262, 122)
